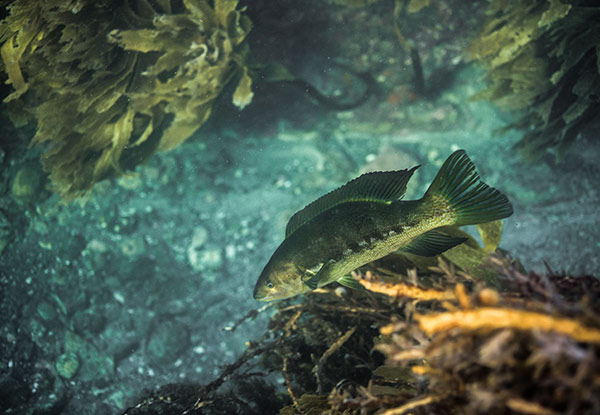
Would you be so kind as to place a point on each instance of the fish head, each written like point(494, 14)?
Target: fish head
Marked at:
point(280, 279)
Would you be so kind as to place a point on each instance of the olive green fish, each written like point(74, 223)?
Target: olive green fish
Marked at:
point(364, 220)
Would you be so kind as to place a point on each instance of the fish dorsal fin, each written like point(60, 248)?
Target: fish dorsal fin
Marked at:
point(380, 186)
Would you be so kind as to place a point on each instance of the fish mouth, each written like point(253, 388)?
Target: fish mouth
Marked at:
point(260, 297)
point(269, 297)
point(264, 298)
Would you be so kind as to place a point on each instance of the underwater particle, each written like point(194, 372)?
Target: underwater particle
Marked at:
point(46, 311)
point(167, 341)
point(27, 184)
point(67, 365)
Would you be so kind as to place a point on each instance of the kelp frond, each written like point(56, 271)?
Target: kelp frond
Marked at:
point(108, 84)
point(542, 59)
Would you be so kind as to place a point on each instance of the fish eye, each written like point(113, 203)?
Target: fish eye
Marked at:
point(270, 284)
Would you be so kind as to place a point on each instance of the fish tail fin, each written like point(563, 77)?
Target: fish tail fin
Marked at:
point(461, 195)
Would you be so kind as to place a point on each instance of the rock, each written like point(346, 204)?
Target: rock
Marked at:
point(167, 341)
point(46, 311)
point(4, 232)
point(133, 246)
point(27, 184)
point(51, 395)
point(88, 322)
point(67, 365)
point(201, 257)
point(209, 261)
point(72, 246)
point(95, 365)
point(212, 258)
point(41, 392)
point(14, 390)
point(199, 238)
point(117, 399)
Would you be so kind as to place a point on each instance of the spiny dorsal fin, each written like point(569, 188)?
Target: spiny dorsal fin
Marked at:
point(381, 186)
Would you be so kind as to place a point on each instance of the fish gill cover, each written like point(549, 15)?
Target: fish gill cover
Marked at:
point(109, 83)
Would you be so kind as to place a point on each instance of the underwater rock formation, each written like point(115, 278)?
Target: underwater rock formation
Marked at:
point(542, 59)
point(111, 83)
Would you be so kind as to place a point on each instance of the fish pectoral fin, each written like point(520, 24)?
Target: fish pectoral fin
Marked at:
point(313, 282)
point(432, 243)
point(350, 282)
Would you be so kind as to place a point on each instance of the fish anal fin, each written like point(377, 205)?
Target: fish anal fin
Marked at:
point(432, 243)
point(383, 187)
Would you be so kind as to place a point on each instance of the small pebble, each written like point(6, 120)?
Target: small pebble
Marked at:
point(67, 365)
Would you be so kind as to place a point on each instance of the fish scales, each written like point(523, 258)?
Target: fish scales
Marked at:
point(390, 228)
point(376, 229)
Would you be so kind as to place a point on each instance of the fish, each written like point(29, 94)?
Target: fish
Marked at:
point(366, 219)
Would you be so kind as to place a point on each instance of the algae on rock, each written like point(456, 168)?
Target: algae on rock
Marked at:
point(542, 59)
point(110, 83)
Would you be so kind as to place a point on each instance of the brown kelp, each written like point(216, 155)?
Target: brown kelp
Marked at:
point(109, 83)
point(542, 59)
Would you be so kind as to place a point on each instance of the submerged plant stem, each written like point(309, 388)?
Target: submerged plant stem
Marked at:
point(496, 318)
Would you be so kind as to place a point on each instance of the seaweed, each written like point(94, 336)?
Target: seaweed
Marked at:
point(110, 83)
point(541, 59)
point(458, 348)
